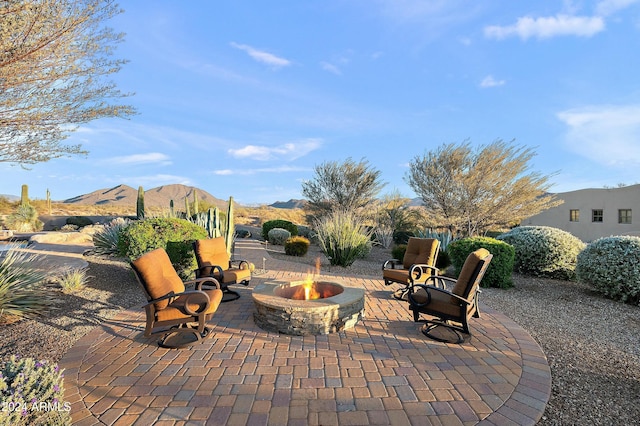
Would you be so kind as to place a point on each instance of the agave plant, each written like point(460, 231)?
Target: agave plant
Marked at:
point(22, 293)
point(106, 241)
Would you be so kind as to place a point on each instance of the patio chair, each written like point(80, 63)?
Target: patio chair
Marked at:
point(171, 305)
point(417, 265)
point(214, 261)
point(453, 308)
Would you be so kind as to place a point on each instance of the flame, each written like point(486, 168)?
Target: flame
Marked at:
point(309, 290)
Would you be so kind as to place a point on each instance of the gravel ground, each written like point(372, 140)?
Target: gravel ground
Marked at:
point(592, 344)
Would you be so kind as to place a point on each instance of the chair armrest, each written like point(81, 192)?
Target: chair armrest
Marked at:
point(240, 263)
point(391, 264)
point(192, 297)
point(440, 281)
point(199, 282)
point(418, 269)
point(428, 289)
point(214, 271)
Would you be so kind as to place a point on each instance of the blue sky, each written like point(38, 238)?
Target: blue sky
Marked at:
point(244, 98)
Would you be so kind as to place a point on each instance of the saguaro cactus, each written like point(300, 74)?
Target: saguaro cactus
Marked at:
point(171, 208)
point(140, 204)
point(187, 210)
point(195, 202)
point(231, 228)
point(24, 195)
point(48, 202)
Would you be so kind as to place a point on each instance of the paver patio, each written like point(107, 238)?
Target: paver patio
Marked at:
point(383, 371)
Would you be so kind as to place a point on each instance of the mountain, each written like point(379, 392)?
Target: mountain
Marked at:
point(291, 204)
point(155, 197)
point(9, 197)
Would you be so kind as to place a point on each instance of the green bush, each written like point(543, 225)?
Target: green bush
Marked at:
point(296, 246)
point(343, 238)
point(73, 280)
point(22, 293)
point(278, 236)
point(398, 251)
point(79, 221)
point(612, 267)
point(278, 223)
point(500, 269)
point(174, 235)
point(32, 393)
point(544, 251)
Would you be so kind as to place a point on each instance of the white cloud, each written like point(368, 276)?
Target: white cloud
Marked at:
point(288, 151)
point(607, 134)
point(330, 68)
point(547, 27)
point(245, 172)
point(149, 158)
point(489, 81)
point(262, 56)
point(609, 7)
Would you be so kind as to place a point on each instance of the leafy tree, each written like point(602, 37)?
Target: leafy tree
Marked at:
point(346, 186)
point(472, 191)
point(54, 60)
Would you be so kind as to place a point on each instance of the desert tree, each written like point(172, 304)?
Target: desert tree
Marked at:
point(471, 191)
point(55, 60)
point(348, 186)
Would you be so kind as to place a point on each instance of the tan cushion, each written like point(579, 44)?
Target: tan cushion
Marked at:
point(235, 275)
point(422, 251)
point(176, 310)
point(396, 275)
point(158, 275)
point(440, 302)
point(212, 252)
point(468, 269)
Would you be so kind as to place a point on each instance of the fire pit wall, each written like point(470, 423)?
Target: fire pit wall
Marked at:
point(306, 317)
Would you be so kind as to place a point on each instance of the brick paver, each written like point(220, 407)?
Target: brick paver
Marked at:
point(382, 371)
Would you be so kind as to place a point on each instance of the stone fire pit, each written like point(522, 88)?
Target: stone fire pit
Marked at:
point(277, 311)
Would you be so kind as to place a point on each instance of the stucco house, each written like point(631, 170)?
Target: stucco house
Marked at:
point(590, 214)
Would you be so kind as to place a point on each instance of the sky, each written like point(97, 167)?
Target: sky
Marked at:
point(244, 98)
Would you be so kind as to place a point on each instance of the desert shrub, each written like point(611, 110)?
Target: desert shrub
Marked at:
point(79, 221)
point(305, 231)
point(32, 393)
point(500, 269)
point(24, 219)
point(296, 246)
point(383, 235)
point(69, 228)
point(402, 237)
point(612, 267)
point(174, 235)
point(73, 280)
point(398, 251)
point(343, 237)
point(278, 236)
point(105, 241)
point(278, 223)
point(22, 293)
point(544, 251)
point(243, 233)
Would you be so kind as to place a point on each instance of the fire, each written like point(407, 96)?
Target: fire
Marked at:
point(309, 291)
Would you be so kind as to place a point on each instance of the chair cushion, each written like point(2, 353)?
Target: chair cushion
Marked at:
point(176, 310)
point(420, 250)
point(396, 275)
point(158, 276)
point(466, 277)
point(235, 275)
point(212, 252)
point(440, 303)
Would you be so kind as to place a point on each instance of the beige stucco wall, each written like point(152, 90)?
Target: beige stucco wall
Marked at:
point(586, 200)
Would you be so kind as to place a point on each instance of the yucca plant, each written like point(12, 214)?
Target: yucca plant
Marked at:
point(106, 240)
point(73, 280)
point(22, 293)
point(343, 237)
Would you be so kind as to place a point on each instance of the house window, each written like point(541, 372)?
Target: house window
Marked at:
point(596, 215)
point(574, 215)
point(624, 216)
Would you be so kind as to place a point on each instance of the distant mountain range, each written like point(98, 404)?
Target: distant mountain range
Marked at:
point(155, 197)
